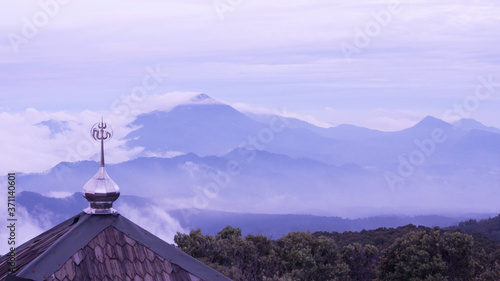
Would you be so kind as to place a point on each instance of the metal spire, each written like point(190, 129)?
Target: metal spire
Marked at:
point(101, 191)
point(99, 132)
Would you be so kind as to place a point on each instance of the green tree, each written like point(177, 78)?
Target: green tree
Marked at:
point(362, 261)
point(305, 258)
point(415, 256)
point(490, 274)
point(259, 257)
point(430, 255)
point(458, 254)
point(405, 253)
point(228, 246)
point(195, 243)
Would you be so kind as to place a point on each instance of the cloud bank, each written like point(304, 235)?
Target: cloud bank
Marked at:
point(422, 56)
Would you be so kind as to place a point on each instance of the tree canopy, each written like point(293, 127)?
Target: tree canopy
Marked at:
point(404, 253)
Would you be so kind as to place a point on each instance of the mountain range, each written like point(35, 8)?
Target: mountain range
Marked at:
point(227, 160)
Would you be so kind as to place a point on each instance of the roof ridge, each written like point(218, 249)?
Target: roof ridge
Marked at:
point(62, 249)
point(80, 234)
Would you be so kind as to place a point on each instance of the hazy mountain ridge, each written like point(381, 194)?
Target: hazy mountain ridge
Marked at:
point(273, 164)
point(266, 177)
point(53, 210)
point(216, 129)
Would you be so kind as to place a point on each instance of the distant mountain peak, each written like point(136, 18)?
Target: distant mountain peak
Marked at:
point(430, 121)
point(55, 126)
point(469, 124)
point(428, 124)
point(430, 118)
point(204, 99)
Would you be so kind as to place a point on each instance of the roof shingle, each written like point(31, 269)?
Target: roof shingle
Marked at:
point(104, 247)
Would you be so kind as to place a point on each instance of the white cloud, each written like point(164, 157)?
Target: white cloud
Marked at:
point(26, 226)
point(154, 219)
point(247, 108)
point(153, 102)
point(308, 118)
point(278, 53)
point(28, 147)
point(59, 194)
point(166, 154)
point(382, 119)
point(393, 120)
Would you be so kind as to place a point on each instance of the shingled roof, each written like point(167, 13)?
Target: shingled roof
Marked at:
point(104, 247)
point(101, 244)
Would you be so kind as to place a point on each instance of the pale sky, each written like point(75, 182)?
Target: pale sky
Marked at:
point(379, 64)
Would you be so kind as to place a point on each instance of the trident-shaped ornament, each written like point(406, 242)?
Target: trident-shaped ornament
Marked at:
point(101, 132)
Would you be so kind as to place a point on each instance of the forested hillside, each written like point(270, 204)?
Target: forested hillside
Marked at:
point(488, 227)
point(403, 253)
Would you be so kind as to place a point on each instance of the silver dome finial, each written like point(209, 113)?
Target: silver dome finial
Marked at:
point(101, 191)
